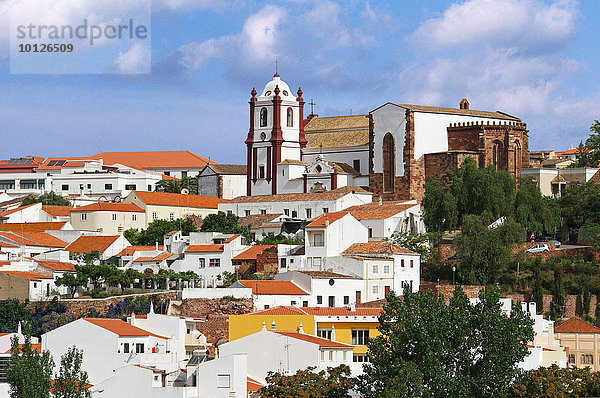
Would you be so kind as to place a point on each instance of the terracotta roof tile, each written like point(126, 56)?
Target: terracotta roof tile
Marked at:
point(320, 311)
point(252, 252)
point(177, 199)
point(257, 220)
point(130, 250)
point(327, 274)
point(280, 311)
point(337, 139)
point(18, 209)
point(159, 257)
point(273, 287)
point(87, 244)
point(253, 385)
point(32, 226)
point(293, 161)
point(228, 169)
point(32, 276)
point(33, 239)
point(377, 247)
point(334, 194)
point(57, 211)
point(234, 237)
point(374, 206)
point(120, 327)
point(56, 265)
point(109, 206)
point(204, 249)
point(457, 111)
point(326, 219)
point(575, 325)
point(153, 159)
point(314, 339)
point(337, 123)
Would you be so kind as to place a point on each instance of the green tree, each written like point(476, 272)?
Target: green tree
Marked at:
point(333, 383)
point(538, 290)
point(226, 223)
point(272, 239)
point(157, 230)
point(536, 213)
point(460, 349)
point(420, 243)
point(177, 186)
point(48, 198)
point(481, 249)
point(13, 311)
point(589, 154)
point(30, 372)
point(559, 296)
point(555, 382)
point(71, 381)
point(72, 282)
point(580, 204)
point(439, 207)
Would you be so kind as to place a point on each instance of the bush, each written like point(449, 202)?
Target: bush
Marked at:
point(99, 293)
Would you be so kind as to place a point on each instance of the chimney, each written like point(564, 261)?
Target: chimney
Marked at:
point(380, 201)
point(273, 325)
point(300, 329)
point(156, 245)
point(264, 326)
point(326, 220)
point(464, 104)
point(332, 332)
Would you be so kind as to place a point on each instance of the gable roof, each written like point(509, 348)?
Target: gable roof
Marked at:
point(87, 244)
point(32, 276)
point(575, 325)
point(109, 206)
point(7, 213)
point(334, 194)
point(326, 274)
point(204, 248)
point(57, 211)
point(252, 252)
point(32, 226)
point(130, 250)
point(350, 122)
point(457, 111)
point(336, 139)
point(153, 159)
point(253, 385)
point(273, 287)
point(177, 199)
point(159, 257)
point(320, 311)
point(325, 343)
point(399, 205)
point(120, 327)
point(228, 169)
point(256, 220)
point(375, 214)
point(377, 247)
point(56, 265)
point(33, 239)
point(324, 220)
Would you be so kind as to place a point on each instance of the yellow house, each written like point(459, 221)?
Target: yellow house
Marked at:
point(171, 206)
point(342, 324)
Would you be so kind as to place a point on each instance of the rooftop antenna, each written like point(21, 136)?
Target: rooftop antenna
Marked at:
point(312, 104)
point(350, 111)
point(276, 68)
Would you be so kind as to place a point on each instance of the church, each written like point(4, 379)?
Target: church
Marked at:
point(390, 152)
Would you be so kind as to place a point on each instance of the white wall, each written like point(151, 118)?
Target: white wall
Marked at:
point(223, 377)
point(389, 118)
point(135, 382)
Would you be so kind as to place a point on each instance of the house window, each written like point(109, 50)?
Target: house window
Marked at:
point(154, 215)
point(572, 359)
point(305, 303)
point(386, 269)
point(126, 348)
point(360, 358)
point(247, 212)
point(266, 306)
point(356, 165)
point(130, 187)
point(293, 303)
point(587, 359)
point(375, 289)
point(389, 163)
point(290, 117)
point(184, 174)
point(83, 216)
point(34, 284)
point(360, 336)
point(294, 214)
point(202, 262)
point(330, 356)
point(65, 187)
point(325, 210)
point(134, 217)
point(107, 187)
point(286, 212)
point(114, 217)
point(402, 262)
point(149, 188)
point(308, 213)
point(375, 268)
point(261, 171)
point(139, 348)
point(171, 216)
point(318, 239)
point(263, 117)
point(80, 186)
point(324, 333)
point(263, 211)
point(412, 263)
point(319, 299)
point(214, 262)
point(89, 186)
point(346, 300)
point(370, 232)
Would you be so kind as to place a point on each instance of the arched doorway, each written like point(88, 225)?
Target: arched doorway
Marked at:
point(389, 163)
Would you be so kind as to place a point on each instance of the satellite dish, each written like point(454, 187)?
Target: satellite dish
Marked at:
point(185, 191)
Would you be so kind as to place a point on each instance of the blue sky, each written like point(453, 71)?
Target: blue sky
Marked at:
point(536, 59)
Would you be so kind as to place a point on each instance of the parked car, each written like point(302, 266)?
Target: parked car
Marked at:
point(548, 239)
point(538, 248)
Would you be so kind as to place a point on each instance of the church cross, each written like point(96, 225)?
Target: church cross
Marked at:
point(276, 67)
point(312, 104)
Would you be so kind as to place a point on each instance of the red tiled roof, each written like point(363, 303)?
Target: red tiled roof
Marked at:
point(120, 327)
point(130, 250)
point(87, 244)
point(18, 209)
point(35, 346)
point(4, 263)
point(177, 199)
point(252, 252)
point(57, 211)
point(32, 276)
point(232, 238)
point(160, 257)
point(273, 287)
point(253, 385)
point(109, 206)
point(575, 325)
point(313, 339)
point(326, 274)
point(375, 214)
point(389, 205)
point(321, 311)
point(281, 311)
point(56, 265)
point(322, 220)
point(33, 239)
point(204, 249)
point(376, 247)
point(154, 159)
point(32, 226)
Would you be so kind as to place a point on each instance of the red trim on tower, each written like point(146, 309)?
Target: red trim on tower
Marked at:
point(254, 165)
point(334, 178)
point(276, 137)
point(251, 160)
point(301, 137)
point(269, 171)
point(305, 183)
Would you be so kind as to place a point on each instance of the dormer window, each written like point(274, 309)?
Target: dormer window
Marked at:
point(263, 117)
point(290, 117)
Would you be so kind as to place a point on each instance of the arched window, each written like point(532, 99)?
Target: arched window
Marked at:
point(497, 155)
point(263, 117)
point(389, 163)
point(290, 117)
point(517, 156)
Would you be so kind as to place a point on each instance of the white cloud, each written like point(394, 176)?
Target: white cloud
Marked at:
point(523, 24)
point(261, 34)
point(134, 60)
point(186, 5)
